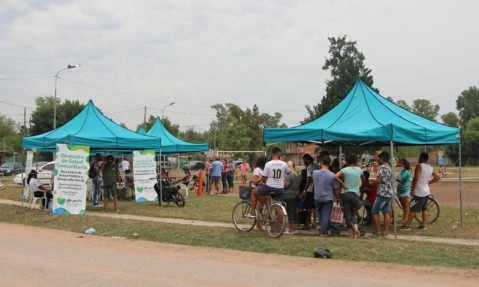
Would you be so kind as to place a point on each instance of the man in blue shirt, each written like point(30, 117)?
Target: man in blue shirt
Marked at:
point(216, 168)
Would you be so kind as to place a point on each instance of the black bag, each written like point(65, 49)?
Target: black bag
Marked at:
point(303, 217)
point(92, 171)
point(322, 253)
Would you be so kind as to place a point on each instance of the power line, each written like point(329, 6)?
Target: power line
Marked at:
point(15, 105)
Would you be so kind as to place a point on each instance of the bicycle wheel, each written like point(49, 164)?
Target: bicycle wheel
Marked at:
point(275, 220)
point(433, 211)
point(179, 200)
point(3, 184)
point(240, 220)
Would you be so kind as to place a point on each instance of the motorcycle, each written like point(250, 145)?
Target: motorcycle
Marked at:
point(169, 193)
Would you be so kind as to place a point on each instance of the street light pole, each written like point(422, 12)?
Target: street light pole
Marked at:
point(162, 110)
point(55, 98)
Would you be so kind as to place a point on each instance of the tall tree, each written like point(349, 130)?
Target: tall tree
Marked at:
point(403, 104)
point(471, 139)
point(42, 116)
point(425, 108)
point(468, 105)
point(7, 126)
point(237, 129)
point(346, 64)
point(450, 119)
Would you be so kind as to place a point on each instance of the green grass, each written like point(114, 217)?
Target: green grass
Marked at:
point(218, 209)
point(366, 250)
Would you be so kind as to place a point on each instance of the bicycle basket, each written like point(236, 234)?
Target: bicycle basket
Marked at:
point(245, 192)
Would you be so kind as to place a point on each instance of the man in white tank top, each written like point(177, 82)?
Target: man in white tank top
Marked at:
point(420, 191)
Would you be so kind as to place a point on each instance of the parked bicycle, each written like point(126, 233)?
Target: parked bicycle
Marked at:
point(272, 215)
point(433, 209)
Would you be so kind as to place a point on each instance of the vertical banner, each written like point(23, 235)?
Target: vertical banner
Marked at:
point(144, 175)
point(28, 168)
point(70, 176)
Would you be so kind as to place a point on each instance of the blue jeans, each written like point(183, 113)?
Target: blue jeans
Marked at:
point(96, 191)
point(323, 210)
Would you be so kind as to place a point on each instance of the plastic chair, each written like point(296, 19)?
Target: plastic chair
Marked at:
point(187, 187)
point(33, 198)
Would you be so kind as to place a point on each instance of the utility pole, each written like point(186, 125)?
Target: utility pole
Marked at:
point(144, 120)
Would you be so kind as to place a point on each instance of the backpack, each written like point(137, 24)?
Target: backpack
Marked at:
point(92, 171)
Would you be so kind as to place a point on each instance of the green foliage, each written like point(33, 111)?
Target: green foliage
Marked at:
point(345, 64)
point(425, 109)
point(7, 126)
point(237, 129)
point(174, 129)
point(450, 119)
point(471, 139)
point(403, 104)
point(42, 117)
point(468, 105)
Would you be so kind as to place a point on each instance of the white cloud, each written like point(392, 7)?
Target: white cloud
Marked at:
point(199, 53)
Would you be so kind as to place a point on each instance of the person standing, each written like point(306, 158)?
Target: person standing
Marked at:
point(111, 175)
point(216, 168)
point(97, 180)
point(384, 181)
point(224, 174)
point(290, 196)
point(244, 169)
point(350, 178)
point(230, 177)
point(420, 191)
point(403, 187)
point(307, 193)
point(208, 174)
point(326, 191)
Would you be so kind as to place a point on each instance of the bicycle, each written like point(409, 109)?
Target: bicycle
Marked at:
point(272, 215)
point(433, 209)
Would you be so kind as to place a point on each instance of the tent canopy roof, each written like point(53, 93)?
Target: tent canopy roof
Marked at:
point(90, 127)
point(366, 118)
point(172, 144)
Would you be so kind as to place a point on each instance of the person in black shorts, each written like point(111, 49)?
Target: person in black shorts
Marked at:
point(308, 193)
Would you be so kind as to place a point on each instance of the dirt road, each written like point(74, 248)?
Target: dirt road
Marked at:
point(40, 257)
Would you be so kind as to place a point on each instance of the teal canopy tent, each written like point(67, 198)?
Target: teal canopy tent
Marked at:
point(366, 118)
point(141, 131)
point(171, 144)
point(90, 127)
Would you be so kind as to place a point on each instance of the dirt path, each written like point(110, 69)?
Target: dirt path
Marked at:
point(40, 257)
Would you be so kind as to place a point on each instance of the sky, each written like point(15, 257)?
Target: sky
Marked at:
point(198, 53)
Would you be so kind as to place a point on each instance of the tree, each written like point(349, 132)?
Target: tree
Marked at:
point(345, 64)
point(403, 104)
point(450, 119)
point(237, 129)
point(471, 139)
point(9, 137)
point(468, 105)
point(42, 117)
point(425, 109)
point(174, 129)
point(7, 126)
